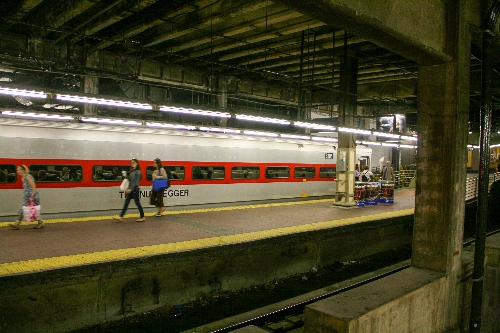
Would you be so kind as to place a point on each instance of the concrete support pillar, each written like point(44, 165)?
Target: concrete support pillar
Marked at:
point(443, 93)
point(222, 92)
point(90, 86)
point(222, 83)
point(346, 151)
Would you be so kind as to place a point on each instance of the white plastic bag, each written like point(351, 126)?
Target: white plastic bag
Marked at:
point(124, 185)
point(31, 212)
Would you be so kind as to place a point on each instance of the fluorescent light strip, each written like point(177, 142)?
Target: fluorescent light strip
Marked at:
point(411, 138)
point(219, 130)
point(407, 146)
point(103, 101)
point(195, 111)
point(263, 119)
point(386, 135)
point(354, 130)
point(172, 126)
point(110, 121)
point(37, 115)
point(22, 92)
point(315, 138)
point(299, 137)
point(390, 144)
point(369, 143)
point(269, 134)
point(314, 126)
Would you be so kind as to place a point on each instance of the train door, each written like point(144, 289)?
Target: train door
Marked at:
point(363, 157)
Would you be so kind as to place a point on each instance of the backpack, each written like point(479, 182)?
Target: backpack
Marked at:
point(363, 177)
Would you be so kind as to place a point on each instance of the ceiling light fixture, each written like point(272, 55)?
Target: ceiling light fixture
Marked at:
point(171, 126)
point(104, 101)
point(354, 130)
point(219, 130)
point(386, 135)
point(37, 115)
point(369, 143)
point(22, 92)
point(197, 112)
point(298, 137)
point(263, 119)
point(258, 133)
point(110, 121)
point(314, 126)
point(315, 138)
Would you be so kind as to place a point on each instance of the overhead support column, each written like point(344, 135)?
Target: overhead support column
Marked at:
point(346, 151)
point(90, 86)
point(443, 109)
point(222, 82)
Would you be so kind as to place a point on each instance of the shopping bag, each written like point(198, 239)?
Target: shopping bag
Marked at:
point(31, 212)
point(124, 185)
point(160, 184)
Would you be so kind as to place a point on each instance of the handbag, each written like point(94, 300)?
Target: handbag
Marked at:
point(160, 184)
point(124, 185)
point(31, 212)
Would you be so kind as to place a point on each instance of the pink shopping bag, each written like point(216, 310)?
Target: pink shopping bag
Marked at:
point(31, 212)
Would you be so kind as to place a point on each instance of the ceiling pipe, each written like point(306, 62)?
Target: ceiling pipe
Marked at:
point(484, 165)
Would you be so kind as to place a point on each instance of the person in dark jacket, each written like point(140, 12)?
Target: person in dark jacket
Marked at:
point(157, 197)
point(133, 191)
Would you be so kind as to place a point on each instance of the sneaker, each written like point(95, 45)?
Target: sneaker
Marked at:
point(118, 219)
point(40, 225)
point(158, 215)
point(142, 219)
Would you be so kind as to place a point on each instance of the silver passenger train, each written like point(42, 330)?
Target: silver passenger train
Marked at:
point(77, 166)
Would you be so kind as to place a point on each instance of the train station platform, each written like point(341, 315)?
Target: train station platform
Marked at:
point(82, 238)
point(84, 269)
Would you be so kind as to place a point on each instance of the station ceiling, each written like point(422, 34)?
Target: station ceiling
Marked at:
point(177, 51)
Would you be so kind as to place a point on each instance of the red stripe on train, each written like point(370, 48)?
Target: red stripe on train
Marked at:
point(87, 172)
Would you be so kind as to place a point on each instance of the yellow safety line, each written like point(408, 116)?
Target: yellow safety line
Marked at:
point(145, 251)
point(175, 212)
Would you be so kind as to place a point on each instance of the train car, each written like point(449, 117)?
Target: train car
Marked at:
point(77, 166)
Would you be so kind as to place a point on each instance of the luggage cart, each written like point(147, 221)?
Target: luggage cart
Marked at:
point(387, 192)
point(359, 193)
point(372, 193)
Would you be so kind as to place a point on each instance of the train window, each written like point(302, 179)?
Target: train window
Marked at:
point(209, 172)
point(304, 172)
point(106, 173)
point(174, 172)
point(277, 172)
point(245, 172)
point(327, 172)
point(56, 173)
point(8, 173)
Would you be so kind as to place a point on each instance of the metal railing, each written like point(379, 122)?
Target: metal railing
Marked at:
point(403, 178)
point(471, 186)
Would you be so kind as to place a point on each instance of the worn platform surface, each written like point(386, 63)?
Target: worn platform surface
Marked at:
point(87, 238)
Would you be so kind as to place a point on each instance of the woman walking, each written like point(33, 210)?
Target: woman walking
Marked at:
point(157, 196)
point(30, 193)
point(133, 191)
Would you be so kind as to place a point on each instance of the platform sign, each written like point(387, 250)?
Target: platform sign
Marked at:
point(329, 156)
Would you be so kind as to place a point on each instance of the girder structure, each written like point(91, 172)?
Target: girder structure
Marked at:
point(184, 44)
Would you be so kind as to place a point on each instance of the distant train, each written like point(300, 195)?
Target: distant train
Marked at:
point(77, 166)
